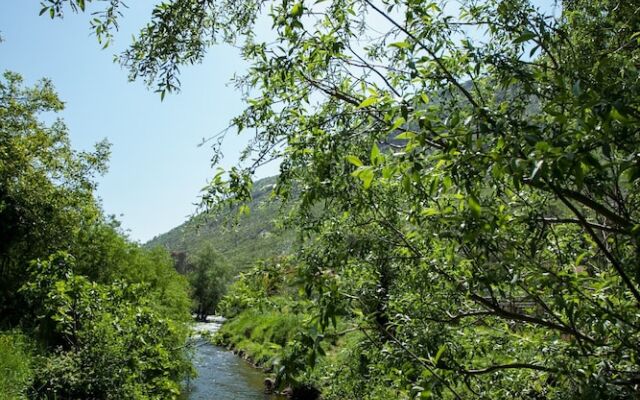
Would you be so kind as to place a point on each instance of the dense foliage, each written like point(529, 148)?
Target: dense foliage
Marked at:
point(468, 178)
point(108, 341)
point(45, 189)
point(87, 313)
point(208, 274)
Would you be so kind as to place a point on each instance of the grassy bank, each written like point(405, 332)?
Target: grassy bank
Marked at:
point(267, 338)
point(260, 337)
point(16, 365)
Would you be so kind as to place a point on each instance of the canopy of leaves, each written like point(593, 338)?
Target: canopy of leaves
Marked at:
point(46, 188)
point(468, 176)
point(208, 274)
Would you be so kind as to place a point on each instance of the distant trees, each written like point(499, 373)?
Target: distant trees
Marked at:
point(468, 176)
point(209, 276)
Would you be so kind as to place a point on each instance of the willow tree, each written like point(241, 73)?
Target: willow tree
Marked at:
point(476, 165)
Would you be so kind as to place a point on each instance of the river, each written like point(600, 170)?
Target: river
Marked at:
point(221, 374)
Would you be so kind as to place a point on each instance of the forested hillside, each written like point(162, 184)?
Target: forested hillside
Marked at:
point(240, 239)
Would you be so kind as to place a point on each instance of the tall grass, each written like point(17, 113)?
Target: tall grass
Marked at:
point(260, 335)
point(16, 365)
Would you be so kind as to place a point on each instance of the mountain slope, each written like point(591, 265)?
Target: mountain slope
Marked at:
point(254, 237)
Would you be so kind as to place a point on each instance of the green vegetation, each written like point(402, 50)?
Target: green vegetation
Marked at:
point(264, 317)
point(467, 185)
point(98, 316)
point(467, 177)
point(260, 335)
point(16, 368)
point(208, 275)
point(255, 235)
point(269, 321)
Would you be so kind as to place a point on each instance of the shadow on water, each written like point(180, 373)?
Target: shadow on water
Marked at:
point(224, 376)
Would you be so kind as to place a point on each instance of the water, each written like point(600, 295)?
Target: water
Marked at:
point(221, 374)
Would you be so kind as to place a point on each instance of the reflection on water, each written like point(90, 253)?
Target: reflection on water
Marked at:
point(222, 375)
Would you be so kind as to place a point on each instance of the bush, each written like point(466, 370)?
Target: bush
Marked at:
point(107, 341)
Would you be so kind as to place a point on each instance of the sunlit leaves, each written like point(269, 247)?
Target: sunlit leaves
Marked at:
point(365, 174)
point(354, 160)
point(369, 101)
point(452, 171)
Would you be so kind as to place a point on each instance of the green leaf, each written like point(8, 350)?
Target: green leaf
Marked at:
point(367, 177)
point(617, 115)
point(244, 210)
point(296, 10)
point(408, 135)
point(369, 101)
point(365, 174)
point(525, 36)
point(428, 212)
point(375, 155)
point(632, 173)
point(397, 123)
point(400, 45)
point(354, 160)
point(439, 354)
point(580, 258)
point(474, 206)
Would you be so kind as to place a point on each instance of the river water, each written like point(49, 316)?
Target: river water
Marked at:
point(221, 374)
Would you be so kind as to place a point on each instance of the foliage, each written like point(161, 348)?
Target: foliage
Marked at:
point(102, 317)
point(255, 289)
point(208, 275)
point(16, 365)
point(261, 335)
point(46, 188)
point(467, 174)
point(103, 254)
point(242, 241)
point(107, 340)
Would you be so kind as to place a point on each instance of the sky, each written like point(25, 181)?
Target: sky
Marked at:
point(156, 168)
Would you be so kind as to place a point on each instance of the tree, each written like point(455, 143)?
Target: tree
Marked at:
point(475, 161)
point(46, 188)
point(209, 276)
point(107, 317)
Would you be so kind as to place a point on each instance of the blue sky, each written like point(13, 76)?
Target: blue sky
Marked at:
point(156, 168)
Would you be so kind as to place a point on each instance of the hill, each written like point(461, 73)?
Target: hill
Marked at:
point(254, 237)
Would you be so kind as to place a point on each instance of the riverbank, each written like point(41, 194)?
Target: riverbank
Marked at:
point(259, 337)
point(265, 338)
point(221, 373)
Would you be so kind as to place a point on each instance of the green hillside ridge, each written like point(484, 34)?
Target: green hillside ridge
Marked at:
point(255, 236)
